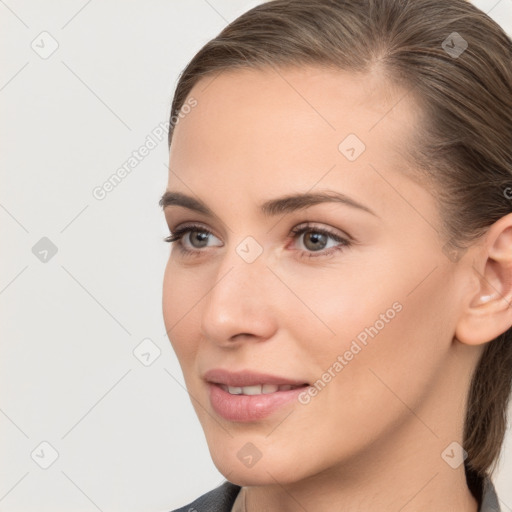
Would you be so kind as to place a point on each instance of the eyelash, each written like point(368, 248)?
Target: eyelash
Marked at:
point(297, 231)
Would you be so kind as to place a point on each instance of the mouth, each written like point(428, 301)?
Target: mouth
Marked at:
point(258, 389)
point(248, 396)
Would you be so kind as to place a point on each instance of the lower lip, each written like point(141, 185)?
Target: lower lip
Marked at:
point(247, 408)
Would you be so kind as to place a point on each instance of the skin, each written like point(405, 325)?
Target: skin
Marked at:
point(375, 435)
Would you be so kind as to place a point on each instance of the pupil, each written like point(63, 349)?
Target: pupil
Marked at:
point(201, 237)
point(315, 238)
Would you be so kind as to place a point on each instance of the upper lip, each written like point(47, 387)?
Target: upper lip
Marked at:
point(247, 378)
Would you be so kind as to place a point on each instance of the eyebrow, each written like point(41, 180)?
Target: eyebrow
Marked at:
point(272, 207)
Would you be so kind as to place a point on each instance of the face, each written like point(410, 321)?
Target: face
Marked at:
point(348, 298)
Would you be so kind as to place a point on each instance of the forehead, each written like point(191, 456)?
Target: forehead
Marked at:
point(254, 125)
point(297, 102)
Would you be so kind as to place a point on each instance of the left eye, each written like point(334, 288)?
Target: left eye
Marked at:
point(316, 240)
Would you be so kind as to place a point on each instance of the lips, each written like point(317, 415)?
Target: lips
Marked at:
point(248, 396)
point(248, 378)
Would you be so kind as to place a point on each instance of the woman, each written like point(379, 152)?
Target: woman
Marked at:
point(338, 290)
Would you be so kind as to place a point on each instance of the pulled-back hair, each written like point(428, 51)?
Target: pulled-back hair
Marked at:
point(463, 145)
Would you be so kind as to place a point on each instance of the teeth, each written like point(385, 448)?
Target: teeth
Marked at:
point(258, 389)
point(251, 390)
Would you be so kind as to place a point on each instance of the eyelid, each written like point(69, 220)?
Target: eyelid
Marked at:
point(305, 224)
point(198, 224)
point(335, 232)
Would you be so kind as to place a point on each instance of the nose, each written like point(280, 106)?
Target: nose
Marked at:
point(239, 305)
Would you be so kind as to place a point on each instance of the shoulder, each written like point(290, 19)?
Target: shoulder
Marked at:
point(220, 499)
point(489, 501)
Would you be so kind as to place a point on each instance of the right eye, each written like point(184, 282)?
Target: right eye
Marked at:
point(200, 233)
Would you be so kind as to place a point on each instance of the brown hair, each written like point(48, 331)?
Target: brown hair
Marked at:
point(464, 143)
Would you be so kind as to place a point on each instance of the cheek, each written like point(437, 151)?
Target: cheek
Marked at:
point(405, 360)
point(336, 305)
point(178, 299)
point(390, 337)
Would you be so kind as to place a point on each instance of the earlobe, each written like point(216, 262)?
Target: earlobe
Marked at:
point(488, 311)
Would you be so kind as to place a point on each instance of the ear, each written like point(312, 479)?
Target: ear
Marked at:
point(488, 312)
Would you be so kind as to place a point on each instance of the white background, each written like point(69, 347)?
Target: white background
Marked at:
point(126, 435)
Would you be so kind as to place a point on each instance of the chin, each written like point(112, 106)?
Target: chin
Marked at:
point(237, 466)
point(268, 475)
